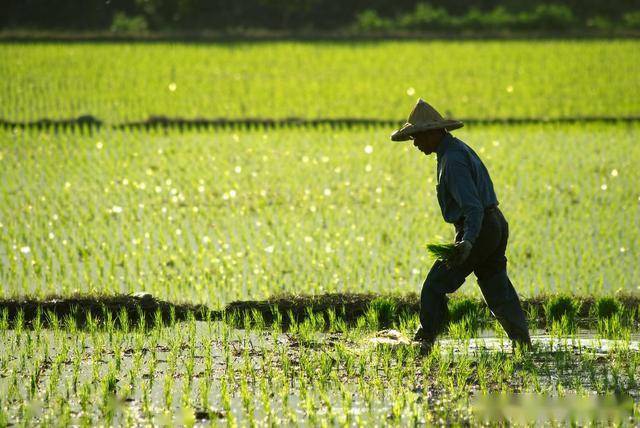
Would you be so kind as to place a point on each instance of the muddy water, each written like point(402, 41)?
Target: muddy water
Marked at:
point(541, 343)
point(155, 383)
point(487, 341)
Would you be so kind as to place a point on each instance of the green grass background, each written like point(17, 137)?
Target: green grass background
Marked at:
point(480, 79)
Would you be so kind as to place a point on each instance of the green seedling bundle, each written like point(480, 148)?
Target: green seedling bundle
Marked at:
point(441, 251)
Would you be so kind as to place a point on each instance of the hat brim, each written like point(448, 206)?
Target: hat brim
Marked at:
point(408, 129)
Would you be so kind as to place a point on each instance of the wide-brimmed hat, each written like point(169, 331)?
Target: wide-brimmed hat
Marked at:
point(423, 117)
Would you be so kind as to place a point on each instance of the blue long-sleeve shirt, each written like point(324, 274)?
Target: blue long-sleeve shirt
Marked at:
point(464, 186)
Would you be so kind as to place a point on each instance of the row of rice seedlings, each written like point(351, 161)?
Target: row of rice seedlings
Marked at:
point(561, 314)
point(175, 212)
point(610, 318)
point(178, 80)
point(109, 344)
point(265, 381)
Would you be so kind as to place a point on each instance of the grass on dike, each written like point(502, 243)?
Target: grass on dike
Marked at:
point(613, 317)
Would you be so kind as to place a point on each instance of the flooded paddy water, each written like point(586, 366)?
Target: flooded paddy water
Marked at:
point(212, 373)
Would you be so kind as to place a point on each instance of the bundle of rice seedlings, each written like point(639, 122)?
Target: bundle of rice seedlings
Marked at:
point(441, 251)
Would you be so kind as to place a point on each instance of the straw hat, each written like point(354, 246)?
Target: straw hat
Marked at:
point(422, 118)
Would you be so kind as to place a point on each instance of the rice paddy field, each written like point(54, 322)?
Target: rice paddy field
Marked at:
point(261, 275)
point(216, 216)
point(489, 79)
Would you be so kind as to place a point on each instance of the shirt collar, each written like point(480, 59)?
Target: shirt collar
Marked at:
point(444, 144)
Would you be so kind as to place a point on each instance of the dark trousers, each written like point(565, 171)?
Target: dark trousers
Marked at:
point(487, 260)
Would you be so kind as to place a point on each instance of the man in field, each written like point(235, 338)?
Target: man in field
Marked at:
point(467, 199)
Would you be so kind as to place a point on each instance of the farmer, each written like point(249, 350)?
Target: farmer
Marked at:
point(467, 199)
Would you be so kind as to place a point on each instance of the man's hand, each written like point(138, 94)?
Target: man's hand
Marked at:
point(463, 249)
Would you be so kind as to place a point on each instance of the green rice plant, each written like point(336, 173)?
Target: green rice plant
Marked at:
point(441, 251)
point(204, 387)
point(276, 315)
point(385, 310)
point(225, 395)
point(13, 392)
point(265, 398)
point(107, 320)
point(110, 382)
point(142, 319)
point(337, 324)
point(408, 323)
point(319, 321)
point(179, 78)
point(145, 388)
point(497, 329)
point(123, 320)
point(167, 390)
point(246, 321)
point(4, 419)
point(613, 327)
point(534, 318)
point(564, 326)
point(561, 306)
point(463, 372)
point(606, 307)
point(91, 324)
point(52, 320)
point(179, 165)
point(370, 319)
point(631, 373)
point(464, 307)
point(313, 321)
point(4, 319)
point(19, 322)
point(248, 404)
point(466, 328)
point(189, 365)
point(36, 324)
point(158, 321)
point(257, 320)
point(466, 317)
point(172, 316)
point(185, 395)
point(305, 332)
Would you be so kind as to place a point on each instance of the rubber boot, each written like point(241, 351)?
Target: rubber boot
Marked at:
point(504, 304)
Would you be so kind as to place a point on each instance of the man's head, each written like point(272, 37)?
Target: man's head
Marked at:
point(424, 117)
point(427, 141)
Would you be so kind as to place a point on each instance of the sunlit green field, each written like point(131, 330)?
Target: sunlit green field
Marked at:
point(505, 79)
point(216, 216)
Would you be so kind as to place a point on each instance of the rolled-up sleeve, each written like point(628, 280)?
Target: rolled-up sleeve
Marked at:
point(463, 190)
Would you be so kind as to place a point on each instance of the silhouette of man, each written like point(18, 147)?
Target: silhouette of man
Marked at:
point(467, 199)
